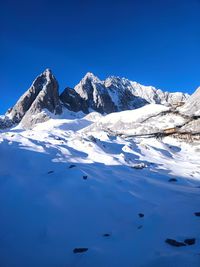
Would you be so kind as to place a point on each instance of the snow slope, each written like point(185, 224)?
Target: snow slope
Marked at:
point(63, 187)
point(192, 105)
point(149, 119)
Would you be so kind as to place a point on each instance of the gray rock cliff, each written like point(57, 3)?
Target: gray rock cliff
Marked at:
point(42, 95)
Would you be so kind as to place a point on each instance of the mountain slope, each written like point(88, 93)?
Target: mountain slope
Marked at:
point(192, 105)
point(64, 188)
point(147, 120)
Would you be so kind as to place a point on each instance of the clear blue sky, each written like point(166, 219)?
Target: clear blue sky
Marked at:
point(154, 42)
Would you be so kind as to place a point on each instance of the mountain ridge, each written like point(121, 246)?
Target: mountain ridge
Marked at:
point(91, 94)
point(109, 186)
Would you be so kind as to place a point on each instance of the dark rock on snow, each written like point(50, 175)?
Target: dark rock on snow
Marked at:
point(72, 166)
point(50, 172)
point(80, 250)
point(106, 235)
point(190, 241)
point(141, 215)
point(172, 180)
point(174, 243)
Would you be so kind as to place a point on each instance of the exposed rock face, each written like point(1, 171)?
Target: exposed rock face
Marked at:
point(192, 105)
point(116, 94)
point(73, 101)
point(107, 96)
point(42, 95)
point(120, 92)
point(92, 90)
point(5, 122)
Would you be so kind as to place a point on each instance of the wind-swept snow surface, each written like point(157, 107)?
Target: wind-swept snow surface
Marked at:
point(71, 197)
point(149, 119)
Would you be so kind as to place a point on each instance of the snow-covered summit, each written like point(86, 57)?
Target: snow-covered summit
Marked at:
point(42, 95)
point(117, 94)
point(113, 94)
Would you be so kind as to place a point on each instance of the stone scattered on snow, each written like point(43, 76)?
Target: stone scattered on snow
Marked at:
point(174, 243)
point(190, 241)
point(172, 180)
point(80, 250)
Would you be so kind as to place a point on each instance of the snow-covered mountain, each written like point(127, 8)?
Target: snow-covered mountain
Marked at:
point(117, 94)
point(42, 95)
point(105, 174)
point(71, 196)
point(41, 101)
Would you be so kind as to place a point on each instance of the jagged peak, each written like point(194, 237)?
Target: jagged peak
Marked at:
point(47, 71)
point(116, 80)
point(91, 77)
point(48, 75)
point(45, 77)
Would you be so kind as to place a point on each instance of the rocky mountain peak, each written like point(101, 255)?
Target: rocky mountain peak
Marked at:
point(90, 76)
point(113, 94)
point(43, 94)
point(117, 94)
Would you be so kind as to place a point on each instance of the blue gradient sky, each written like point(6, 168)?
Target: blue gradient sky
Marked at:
point(150, 41)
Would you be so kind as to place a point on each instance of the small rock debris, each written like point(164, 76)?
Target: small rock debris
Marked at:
point(85, 177)
point(174, 243)
point(141, 215)
point(106, 235)
point(197, 214)
point(172, 180)
point(72, 166)
point(190, 241)
point(80, 250)
point(49, 172)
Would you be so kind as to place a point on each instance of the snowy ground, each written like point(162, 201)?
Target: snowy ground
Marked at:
point(62, 188)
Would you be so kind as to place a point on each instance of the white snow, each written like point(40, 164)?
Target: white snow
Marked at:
point(47, 208)
point(136, 115)
point(149, 119)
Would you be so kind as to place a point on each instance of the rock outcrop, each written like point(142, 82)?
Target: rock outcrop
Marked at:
point(93, 92)
point(5, 122)
point(72, 100)
point(42, 96)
